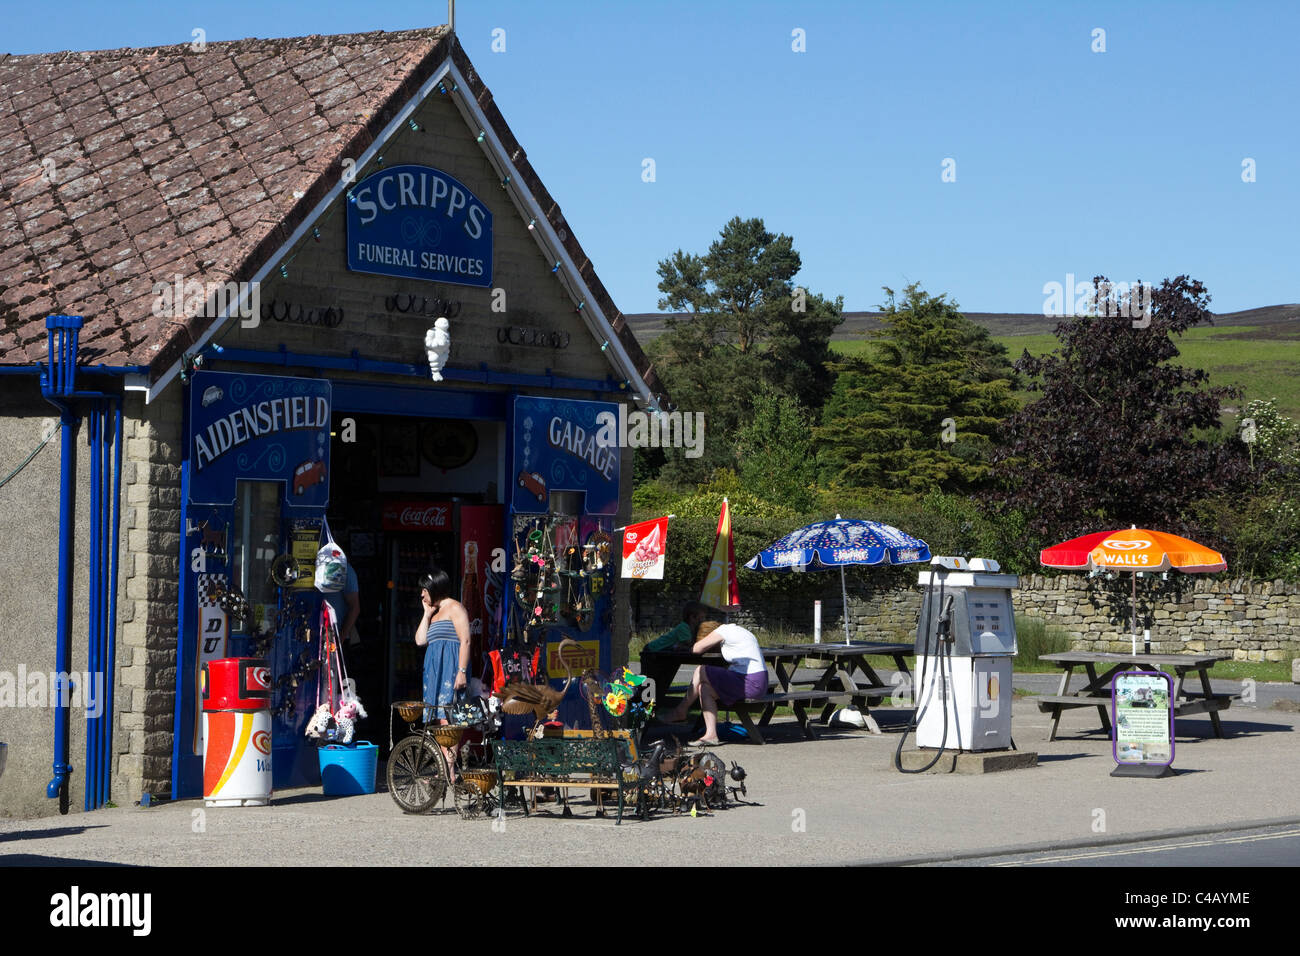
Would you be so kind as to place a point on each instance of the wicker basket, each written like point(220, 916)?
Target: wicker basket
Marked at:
point(449, 735)
point(410, 710)
point(481, 780)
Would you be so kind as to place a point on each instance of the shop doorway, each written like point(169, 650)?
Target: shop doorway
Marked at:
point(407, 493)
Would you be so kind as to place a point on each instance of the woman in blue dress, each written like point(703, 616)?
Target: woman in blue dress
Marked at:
point(444, 634)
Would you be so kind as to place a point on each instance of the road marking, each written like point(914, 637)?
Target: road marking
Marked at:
point(1096, 854)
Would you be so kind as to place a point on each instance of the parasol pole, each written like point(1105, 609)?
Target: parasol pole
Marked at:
point(1134, 629)
point(844, 595)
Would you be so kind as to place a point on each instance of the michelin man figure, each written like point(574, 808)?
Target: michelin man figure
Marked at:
point(437, 343)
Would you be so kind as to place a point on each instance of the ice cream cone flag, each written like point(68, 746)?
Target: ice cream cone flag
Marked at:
point(645, 546)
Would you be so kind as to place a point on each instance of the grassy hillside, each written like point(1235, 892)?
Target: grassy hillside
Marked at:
point(1263, 359)
point(1258, 349)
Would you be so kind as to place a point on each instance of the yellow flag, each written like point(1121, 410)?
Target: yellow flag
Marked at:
point(720, 591)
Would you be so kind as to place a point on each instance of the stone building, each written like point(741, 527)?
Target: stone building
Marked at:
point(221, 275)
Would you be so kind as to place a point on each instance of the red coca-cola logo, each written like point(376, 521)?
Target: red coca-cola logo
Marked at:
point(417, 516)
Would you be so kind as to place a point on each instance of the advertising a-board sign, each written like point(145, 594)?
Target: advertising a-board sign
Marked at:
point(417, 222)
point(1141, 704)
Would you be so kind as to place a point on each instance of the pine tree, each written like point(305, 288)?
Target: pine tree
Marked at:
point(920, 410)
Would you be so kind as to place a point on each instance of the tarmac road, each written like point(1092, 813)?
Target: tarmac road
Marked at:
point(1257, 846)
point(836, 800)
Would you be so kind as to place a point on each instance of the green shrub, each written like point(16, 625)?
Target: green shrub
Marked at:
point(1035, 637)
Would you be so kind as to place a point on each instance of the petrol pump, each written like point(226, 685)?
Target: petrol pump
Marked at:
point(965, 642)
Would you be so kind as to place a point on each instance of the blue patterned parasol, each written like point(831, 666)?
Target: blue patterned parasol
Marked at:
point(835, 544)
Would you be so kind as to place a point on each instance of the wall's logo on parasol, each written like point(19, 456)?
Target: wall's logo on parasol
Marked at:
point(1125, 545)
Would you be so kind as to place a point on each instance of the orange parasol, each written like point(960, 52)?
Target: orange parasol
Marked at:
point(1137, 550)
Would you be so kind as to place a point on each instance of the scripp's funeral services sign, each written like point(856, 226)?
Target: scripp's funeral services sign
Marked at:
point(417, 222)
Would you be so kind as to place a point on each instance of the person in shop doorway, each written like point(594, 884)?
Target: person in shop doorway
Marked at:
point(443, 632)
point(347, 608)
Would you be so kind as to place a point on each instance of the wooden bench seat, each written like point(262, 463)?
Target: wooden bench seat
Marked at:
point(799, 700)
point(1049, 702)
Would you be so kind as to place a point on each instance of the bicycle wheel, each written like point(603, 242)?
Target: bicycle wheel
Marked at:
point(417, 774)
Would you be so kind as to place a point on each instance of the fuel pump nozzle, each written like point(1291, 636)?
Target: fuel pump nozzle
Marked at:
point(943, 627)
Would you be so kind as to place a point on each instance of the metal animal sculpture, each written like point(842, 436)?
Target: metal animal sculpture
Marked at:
point(520, 698)
point(737, 773)
point(213, 537)
point(701, 781)
point(594, 692)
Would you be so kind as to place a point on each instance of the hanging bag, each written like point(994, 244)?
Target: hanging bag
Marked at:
point(331, 563)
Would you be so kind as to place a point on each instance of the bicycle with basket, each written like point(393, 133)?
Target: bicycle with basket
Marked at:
point(419, 775)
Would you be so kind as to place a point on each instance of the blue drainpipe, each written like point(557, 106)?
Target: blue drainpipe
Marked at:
point(58, 385)
point(92, 600)
point(106, 459)
point(108, 685)
point(58, 381)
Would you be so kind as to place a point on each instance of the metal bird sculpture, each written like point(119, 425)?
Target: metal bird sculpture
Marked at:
point(594, 689)
point(539, 700)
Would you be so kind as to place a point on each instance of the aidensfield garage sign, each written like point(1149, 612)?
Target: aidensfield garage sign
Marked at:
point(416, 222)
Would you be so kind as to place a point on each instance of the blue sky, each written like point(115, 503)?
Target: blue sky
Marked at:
point(1127, 162)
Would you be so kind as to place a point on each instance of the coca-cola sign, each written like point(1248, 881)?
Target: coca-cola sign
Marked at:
point(417, 516)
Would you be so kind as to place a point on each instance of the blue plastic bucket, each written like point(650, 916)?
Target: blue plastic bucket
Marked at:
point(347, 770)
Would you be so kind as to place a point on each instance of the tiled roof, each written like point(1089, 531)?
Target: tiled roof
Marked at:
point(121, 168)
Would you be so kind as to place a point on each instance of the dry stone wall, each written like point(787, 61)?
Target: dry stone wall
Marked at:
point(1256, 621)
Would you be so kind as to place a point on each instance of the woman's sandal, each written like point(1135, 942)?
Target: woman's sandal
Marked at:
point(705, 742)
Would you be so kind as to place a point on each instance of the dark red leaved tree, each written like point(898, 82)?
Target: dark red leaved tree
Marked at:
point(1121, 434)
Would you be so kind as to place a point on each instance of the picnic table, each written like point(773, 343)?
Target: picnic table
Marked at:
point(835, 682)
point(1096, 692)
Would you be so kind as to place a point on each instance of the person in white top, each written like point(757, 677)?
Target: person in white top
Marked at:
point(745, 677)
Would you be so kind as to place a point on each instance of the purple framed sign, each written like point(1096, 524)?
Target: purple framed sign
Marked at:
point(1143, 722)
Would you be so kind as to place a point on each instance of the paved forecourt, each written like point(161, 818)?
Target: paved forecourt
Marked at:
point(832, 800)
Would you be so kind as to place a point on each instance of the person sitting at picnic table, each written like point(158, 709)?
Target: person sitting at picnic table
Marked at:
point(745, 678)
point(693, 614)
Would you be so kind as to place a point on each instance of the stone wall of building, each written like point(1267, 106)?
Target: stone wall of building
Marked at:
point(149, 579)
point(1257, 621)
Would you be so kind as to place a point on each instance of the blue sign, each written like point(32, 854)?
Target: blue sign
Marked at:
point(561, 446)
point(259, 428)
point(416, 222)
